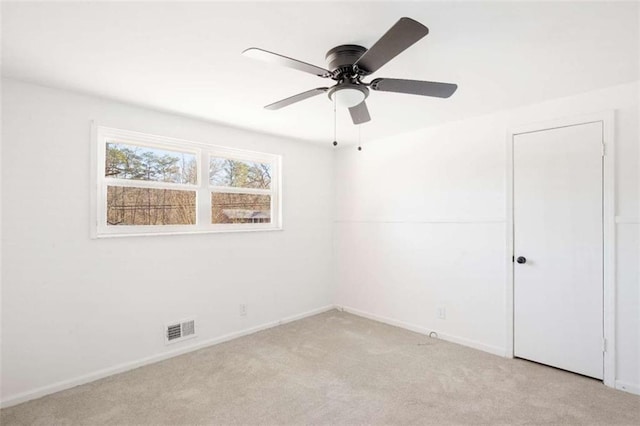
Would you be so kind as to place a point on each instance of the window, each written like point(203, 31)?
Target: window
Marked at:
point(153, 185)
point(241, 191)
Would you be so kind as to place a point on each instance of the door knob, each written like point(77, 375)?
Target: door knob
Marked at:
point(521, 259)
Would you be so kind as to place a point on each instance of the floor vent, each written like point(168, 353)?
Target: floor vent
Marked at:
point(180, 330)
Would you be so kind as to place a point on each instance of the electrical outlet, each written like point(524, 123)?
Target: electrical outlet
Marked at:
point(441, 313)
point(243, 310)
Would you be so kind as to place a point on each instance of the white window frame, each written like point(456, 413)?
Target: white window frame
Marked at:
point(203, 152)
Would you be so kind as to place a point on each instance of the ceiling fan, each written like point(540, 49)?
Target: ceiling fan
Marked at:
point(349, 63)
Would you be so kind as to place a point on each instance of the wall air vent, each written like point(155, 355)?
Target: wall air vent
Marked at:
point(180, 330)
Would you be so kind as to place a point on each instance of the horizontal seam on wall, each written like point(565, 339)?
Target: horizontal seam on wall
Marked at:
point(444, 221)
point(627, 220)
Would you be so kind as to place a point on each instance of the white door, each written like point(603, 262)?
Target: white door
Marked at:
point(558, 247)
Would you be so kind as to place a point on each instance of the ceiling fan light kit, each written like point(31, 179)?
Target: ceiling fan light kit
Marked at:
point(348, 95)
point(348, 64)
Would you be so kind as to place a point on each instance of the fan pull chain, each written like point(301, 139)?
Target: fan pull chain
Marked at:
point(359, 137)
point(335, 125)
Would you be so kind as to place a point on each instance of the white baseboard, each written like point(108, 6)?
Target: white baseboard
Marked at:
point(628, 387)
point(120, 368)
point(67, 384)
point(495, 350)
point(620, 385)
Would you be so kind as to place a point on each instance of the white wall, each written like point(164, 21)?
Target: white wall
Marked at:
point(421, 223)
point(73, 306)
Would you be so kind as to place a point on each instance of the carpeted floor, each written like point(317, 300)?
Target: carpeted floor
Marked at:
point(334, 368)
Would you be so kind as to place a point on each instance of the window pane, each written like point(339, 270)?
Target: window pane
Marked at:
point(146, 206)
point(143, 163)
point(240, 208)
point(239, 174)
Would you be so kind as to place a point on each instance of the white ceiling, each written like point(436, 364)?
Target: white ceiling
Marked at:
point(185, 57)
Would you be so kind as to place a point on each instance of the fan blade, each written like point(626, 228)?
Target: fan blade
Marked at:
point(360, 113)
point(403, 34)
point(264, 55)
point(296, 98)
point(414, 87)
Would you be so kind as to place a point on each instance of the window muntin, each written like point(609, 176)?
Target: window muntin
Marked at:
point(154, 185)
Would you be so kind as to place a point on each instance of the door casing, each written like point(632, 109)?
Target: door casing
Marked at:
point(607, 118)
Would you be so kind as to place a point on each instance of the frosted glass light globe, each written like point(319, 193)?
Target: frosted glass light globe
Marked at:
point(348, 97)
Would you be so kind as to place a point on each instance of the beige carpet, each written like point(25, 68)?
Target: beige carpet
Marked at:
point(334, 368)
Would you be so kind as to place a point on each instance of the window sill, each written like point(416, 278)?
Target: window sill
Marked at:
point(196, 232)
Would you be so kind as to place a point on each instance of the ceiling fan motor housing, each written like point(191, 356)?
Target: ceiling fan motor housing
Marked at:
point(341, 59)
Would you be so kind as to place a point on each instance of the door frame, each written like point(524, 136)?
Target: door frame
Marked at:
point(607, 118)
